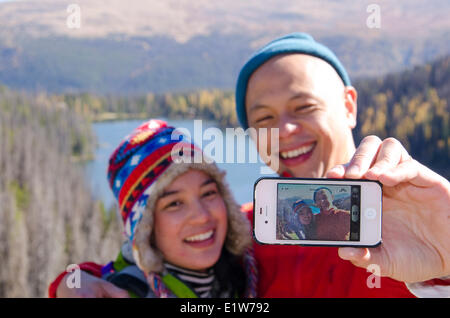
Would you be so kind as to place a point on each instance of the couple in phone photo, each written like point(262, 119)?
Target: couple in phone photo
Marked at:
point(329, 223)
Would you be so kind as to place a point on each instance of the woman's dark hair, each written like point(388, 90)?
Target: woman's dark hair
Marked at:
point(230, 273)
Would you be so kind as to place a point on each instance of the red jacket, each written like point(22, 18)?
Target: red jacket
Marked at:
point(295, 271)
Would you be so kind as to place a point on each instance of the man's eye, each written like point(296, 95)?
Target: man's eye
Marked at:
point(305, 108)
point(262, 119)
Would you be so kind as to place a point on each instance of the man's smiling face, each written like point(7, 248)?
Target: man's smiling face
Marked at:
point(306, 100)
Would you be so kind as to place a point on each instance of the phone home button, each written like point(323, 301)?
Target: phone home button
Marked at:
point(370, 213)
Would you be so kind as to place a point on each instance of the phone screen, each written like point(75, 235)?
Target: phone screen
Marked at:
point(318, 212)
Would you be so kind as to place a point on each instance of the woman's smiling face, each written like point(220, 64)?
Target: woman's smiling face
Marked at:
point(191, 221)
point(305, 215)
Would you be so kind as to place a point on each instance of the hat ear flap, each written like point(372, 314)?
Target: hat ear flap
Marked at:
point(147, 257)
point(239, 228)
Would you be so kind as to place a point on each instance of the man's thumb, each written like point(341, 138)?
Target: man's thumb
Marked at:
point(358, 256)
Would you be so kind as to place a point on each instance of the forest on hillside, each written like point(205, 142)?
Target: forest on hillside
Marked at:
point(412, 106)
point(48, 218)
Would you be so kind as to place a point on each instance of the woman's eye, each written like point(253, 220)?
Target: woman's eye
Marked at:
point(174, 204)
point(209, 193)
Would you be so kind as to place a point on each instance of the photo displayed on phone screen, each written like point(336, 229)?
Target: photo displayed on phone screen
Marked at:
point(318, 212)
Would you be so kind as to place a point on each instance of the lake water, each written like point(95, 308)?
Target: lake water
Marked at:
point(240, 176)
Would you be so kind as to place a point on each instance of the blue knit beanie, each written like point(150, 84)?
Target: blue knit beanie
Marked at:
point(292, 43)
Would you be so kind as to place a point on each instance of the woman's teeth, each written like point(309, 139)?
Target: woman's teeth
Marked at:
point(296, 152)
point(199, 237)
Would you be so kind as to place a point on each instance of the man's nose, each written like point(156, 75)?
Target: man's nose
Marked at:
point(288, 126)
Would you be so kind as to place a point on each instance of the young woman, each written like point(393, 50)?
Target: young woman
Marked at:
point(186, 236)
point(305, 221)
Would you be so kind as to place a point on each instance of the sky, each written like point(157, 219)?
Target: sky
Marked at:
point(307, 191)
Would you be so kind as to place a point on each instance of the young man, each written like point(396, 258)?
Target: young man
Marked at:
point(299, 86)
point(332, 223)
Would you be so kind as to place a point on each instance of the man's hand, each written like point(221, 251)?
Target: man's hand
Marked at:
point(90, 287)
point(416, 212)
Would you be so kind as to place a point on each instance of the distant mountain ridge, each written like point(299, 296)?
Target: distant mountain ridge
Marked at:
point(184, 19)
point(167, 46)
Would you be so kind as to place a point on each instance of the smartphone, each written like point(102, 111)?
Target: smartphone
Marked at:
point(317, 212)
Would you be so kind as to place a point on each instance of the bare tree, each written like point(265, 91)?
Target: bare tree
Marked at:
point(48, 217)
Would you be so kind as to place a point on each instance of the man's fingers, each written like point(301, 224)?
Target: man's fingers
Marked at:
point(390, 155)
point(413, 172)
point(363, 158)
point(336, 172)
point(111, 291)
point(374, 157)
point(404, 172)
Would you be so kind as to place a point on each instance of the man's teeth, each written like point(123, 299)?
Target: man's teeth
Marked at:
point(296, 152)
point(200, 237)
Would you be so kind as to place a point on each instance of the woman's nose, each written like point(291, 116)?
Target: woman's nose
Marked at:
point(200, 213)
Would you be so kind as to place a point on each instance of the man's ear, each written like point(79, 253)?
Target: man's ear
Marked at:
point(350, 100)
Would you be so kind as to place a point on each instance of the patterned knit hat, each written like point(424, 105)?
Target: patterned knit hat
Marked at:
point(298, 204)
point(144, 164)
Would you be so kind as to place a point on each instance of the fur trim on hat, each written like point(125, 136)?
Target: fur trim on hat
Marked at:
point(238, 238)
